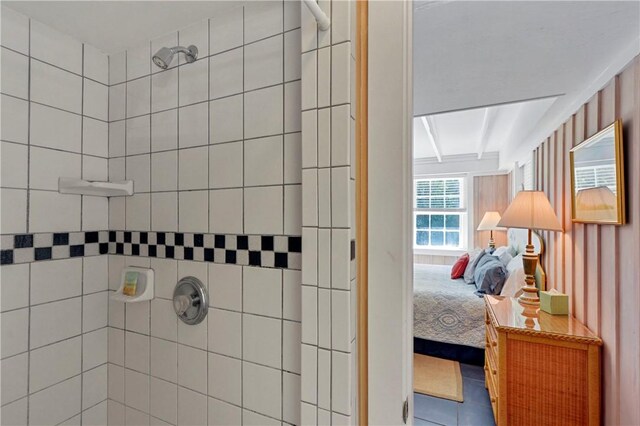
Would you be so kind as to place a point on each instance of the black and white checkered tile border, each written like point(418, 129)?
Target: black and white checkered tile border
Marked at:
point(25, 248)
point(269, 251)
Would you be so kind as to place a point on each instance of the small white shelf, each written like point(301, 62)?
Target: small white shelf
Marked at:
point(144, 288)
point(86, 187)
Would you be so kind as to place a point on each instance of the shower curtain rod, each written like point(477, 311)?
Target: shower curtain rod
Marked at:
point(321, 17)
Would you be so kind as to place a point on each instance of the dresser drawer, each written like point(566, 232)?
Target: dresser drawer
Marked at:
point(492, 387)
point(491, 344)
point(554, 367)
point(492, 364)
point(491, 333)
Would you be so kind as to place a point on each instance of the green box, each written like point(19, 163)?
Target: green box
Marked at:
point(554, 302)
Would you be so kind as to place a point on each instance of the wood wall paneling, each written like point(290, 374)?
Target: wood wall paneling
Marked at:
point(627, 249)
point(598, 265)
point(580, 235)
point(592, 258)
point(432, 259)
point(551, 191)
point(490, 193)
point(559, 252)
point(608, 280)
point(569, 232)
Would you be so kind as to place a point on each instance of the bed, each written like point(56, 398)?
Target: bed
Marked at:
point(448, 311)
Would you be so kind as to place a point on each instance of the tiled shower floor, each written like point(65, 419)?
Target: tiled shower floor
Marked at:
point(474, 411)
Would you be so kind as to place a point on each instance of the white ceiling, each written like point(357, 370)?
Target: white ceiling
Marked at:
point(473, 54)
point(476, 131)
point(113, 26)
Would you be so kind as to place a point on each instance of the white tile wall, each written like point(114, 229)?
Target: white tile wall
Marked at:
point(328, 308)
point(225, 332)
point(14, 164)
point(263, 114)
point(193, 125)
point(262, 19)
point(51, 46)
point(164, 90)
point(96, 415)
point(226, 73)
point(192, 363)
point(15, 287)
point(226, 31)
point(226, 165)
point(14, 378)
point(57, 403)
point(263, 158)
point(163, 400)
point(225, 375)
point(54, 339)
point(164, 359)
point(226, 119)
point(15, 74)
point(263, 63)
point(194, 83)
point(262, 389)
point(262, 291)
point(54, 363)
point(223, 414)
point(138, 63)
point(56, 87)
point(15, 31)
point(192, 407)
point(55, 121)
point(252, 113)
point(52, 281)
point(15, 119)
point(262, 340)
point(263, 210)
point(138, 97)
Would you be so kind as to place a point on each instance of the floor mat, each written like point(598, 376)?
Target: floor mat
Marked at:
point(437, 377)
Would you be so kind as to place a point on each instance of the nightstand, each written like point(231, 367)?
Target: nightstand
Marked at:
point(541, 370)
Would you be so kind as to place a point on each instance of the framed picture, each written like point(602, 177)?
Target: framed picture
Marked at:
point(597, 178)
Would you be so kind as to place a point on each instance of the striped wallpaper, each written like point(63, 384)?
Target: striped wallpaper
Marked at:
point(599, 265)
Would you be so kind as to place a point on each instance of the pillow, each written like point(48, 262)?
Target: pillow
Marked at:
point(490, 275)
point(515, 280)
point(503, 254)
point(515, 263)
point(459, 267)
point(471, 266)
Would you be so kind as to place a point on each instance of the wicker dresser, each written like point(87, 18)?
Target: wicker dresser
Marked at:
point(540, 369)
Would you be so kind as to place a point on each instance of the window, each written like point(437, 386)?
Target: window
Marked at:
point(528, 179)
point(439, 213)
point(591, 176)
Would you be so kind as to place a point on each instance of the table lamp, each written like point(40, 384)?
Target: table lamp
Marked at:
point(489, 223)
point(530, 210)
point(597, 204)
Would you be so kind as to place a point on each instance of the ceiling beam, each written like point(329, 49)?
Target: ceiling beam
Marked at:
point(427, 122)
point(487, 124)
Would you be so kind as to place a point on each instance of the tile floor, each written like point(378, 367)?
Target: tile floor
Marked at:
point(474, 411)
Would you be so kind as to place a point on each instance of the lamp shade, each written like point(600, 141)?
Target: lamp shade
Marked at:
point(530, 210)
point(489, 222)
point(597, 203)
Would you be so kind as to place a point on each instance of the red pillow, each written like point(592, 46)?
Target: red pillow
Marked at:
point(458, 268)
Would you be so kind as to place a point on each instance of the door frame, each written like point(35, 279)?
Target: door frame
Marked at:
point(384, 259)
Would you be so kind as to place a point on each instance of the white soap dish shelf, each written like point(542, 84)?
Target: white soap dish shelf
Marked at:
point(96, 188)
point(144, 288)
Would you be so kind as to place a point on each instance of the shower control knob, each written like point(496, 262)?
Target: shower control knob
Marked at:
point(190, 300)
point(181, 303)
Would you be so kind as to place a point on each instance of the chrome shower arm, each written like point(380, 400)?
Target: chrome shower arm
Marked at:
point(164, 56)
point(190, 52)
